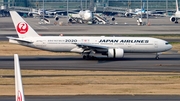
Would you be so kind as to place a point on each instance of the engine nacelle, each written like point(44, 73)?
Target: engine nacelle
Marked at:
point(113, 18)
point(128, 14)
point(70, 20)
point(56, 18)
point(115, 53)
point(172, 19)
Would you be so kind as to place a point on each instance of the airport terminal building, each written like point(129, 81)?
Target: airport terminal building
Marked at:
point(90, 4)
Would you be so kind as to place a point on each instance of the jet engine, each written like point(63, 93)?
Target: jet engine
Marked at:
point(56, 18)
point(115, 53)
point(113, 18)
point(70, 20)
point(128, 14)
point(172, 19)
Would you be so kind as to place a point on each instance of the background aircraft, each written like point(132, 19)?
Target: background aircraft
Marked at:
point(88, 46)
point(18, 81)
point(81, 17)
point(176, 16)
point(88, 17)
point(136, 12)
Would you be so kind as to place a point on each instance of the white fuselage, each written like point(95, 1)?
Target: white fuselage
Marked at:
point(84, 15)
point(177, 14)
point(69, 43)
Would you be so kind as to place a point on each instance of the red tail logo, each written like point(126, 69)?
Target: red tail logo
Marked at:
point(19, 96)
point(22, 27)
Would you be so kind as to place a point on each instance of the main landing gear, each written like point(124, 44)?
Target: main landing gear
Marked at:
point(88, 57)
point(85, 56)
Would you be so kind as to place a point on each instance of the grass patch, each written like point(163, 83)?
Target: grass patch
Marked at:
point(69, 82)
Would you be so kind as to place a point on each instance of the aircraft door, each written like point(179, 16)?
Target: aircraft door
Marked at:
point(41, 43)
point(155, 44)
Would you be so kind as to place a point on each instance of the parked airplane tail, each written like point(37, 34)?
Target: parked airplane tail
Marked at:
point(177, 7)
point(22, 27)
point(18, 81)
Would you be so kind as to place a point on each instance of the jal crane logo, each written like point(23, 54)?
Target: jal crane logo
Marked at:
point(19, 96)
point(22, 27)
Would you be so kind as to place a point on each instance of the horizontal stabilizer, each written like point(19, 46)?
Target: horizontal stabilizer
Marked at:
point(19, 40)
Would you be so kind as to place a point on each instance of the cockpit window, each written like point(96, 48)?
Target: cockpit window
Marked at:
point(167, 43)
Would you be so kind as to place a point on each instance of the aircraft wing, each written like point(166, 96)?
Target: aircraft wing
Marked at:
point(19, 40)
point(91, 47)
point(177, 17)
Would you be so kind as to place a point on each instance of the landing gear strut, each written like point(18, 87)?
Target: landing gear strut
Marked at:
point(176, 21)
point(157, 56)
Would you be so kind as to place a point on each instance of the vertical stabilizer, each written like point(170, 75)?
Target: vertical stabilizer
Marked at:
point(22, 27)
point(18, 81)
point(177, 7)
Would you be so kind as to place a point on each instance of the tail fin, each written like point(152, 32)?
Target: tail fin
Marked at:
point(18, 81)
point(177, 7)
point(22, 27)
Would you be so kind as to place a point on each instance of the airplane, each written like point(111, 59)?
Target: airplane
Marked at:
point(35, 13)
point(86, 16)
point(136, 12)
point(18, 81)
point(88, 46)
point(174, 18)
point(39, 13)
point(83, 16)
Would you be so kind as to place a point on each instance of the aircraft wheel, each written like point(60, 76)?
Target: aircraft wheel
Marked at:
point(176, 22)
point(87, 57)
point(93, 58)
point(157, 56)
point(84, 57)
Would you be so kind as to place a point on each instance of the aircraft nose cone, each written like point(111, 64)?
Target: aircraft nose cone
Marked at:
point(170, 46)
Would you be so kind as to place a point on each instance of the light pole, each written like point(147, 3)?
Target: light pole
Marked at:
point(43, 11)
point(141, 9)
point(67, 10)
point(147, 12)
point(166, 7)
point(81, 5)
point(86, 4)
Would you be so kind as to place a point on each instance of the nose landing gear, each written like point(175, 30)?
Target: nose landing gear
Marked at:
point(157, 56)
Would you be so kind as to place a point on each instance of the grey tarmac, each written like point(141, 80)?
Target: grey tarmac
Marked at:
point(130, 62)
point(97, 98)
point(159, 25)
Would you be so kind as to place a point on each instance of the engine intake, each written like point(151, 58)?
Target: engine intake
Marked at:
point(115, 53)
point(70, 20)
point(172, 19)
point(128, 15)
